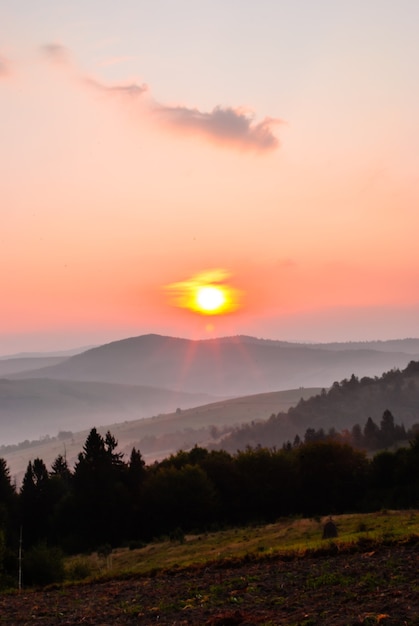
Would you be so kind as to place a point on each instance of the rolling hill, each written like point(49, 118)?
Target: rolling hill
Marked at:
point(119, 384)
point(12, 366)
point(234, 366)
point(159, 435)
point(35, 407)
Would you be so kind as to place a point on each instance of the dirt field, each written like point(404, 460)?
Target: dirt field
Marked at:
point(376, 586)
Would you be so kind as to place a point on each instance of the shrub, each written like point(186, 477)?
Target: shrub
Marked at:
point(78, 569)
point(43, 565)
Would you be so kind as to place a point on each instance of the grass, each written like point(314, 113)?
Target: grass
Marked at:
point(288, 538)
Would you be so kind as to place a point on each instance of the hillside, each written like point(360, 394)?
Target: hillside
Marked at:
point(159, 435)
point(234, 366)
point(345, 404)
point(17, 365)
point(31, 408)
point(120, 383)
point(243, 577)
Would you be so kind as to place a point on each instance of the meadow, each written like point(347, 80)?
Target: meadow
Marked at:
point(280, 574)
point(287, 538)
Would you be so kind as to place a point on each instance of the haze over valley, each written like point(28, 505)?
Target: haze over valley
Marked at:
point(144, 388)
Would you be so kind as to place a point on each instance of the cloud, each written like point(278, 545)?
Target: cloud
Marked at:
point(55, 52)
point(229, 126)
point(59, 54)
point(131, 90)
point(226, 125)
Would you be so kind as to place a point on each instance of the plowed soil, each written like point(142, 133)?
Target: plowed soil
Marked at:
point(375, 586)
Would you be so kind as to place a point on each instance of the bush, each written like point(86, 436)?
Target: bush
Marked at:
point(42, 565)
point(78, 569)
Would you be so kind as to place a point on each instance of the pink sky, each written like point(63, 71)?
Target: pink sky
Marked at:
point(277, 143)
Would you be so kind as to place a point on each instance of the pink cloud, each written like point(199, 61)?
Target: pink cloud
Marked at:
point(223, 124)
point(230, 126)
point(128, 90)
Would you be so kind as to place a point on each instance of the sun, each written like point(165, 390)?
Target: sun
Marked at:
point(210, 298)
point(206, 293)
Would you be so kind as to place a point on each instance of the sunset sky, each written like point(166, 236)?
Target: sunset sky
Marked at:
point(145, 145)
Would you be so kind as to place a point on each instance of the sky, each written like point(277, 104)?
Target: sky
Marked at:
point(147, 146)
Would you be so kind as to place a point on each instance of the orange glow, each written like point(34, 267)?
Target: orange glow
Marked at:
point(206, 293)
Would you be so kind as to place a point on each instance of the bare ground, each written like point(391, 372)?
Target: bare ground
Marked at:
point(374, 585)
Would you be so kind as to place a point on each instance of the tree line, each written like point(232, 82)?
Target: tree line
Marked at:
point(106, 499)
point(370, 437)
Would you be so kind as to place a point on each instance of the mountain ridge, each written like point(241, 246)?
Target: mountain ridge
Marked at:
point(229, 366)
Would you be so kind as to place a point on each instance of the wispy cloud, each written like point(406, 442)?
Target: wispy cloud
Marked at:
point(55, 52)
point(131, 90)
point(225, 125)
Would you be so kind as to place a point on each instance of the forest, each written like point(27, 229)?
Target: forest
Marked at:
point(106, 500)
point(339, 411)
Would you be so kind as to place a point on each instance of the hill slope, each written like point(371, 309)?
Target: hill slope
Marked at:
point(347, 403)
point(36, 407)
point(225, 367)
point(160, 435)
point(17, 365)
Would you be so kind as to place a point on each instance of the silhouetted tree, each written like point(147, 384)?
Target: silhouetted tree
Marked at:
point(371, 434)
point(60, 469)
point(356, 436)
point(36, 502)
point(387, 429)
point(331, 477)
point(134, 479)
point(100, 491)
point(179, 498)
point(9, 525)
point(7, 496)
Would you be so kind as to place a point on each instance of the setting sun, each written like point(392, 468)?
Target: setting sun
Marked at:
point(210, 298)
point(206, 293)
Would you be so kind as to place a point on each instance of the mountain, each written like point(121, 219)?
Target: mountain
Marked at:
point(32, 408)
point(233, 366)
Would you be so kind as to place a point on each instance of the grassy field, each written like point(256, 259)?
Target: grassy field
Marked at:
point(287, 537)
point(283, 574)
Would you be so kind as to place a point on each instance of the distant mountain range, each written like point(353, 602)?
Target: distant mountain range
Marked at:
point(232, 366)
point(152, 374)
